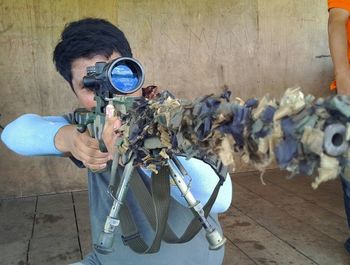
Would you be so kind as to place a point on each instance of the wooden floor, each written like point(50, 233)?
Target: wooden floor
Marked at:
point(282, 222)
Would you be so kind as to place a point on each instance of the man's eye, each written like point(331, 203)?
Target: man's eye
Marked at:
point(87, 89)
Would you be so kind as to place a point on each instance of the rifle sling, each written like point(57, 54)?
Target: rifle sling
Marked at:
point(156, 209)
point(158, 212)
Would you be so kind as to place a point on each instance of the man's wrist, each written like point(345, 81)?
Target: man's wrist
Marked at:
point(62, 138)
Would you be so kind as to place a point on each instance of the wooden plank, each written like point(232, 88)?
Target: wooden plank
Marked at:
point(16, 219)
point(81, 204)
point(262, 246)
point(16, 222)
point(234, 256)
point(56, 250)
point(304, 238)
point(321, 219)
point(13, 253)
point(54, 216)
point(55, 239)
point(328, 195)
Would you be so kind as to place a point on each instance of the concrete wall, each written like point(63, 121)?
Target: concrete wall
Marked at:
point(253, 47)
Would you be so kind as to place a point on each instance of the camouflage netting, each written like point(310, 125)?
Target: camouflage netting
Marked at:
point(298, 132)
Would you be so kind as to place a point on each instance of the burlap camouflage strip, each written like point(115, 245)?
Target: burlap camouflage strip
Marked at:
point(298, 132)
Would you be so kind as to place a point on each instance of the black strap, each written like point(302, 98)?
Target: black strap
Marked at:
point(158, 214)
point(195, 226)
point(161, 200)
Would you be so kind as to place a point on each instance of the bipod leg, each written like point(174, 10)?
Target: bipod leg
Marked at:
point(215, 240)
point(106, 237)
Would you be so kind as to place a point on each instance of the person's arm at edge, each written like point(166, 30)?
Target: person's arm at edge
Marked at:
point(34, 135)
point(338, 45)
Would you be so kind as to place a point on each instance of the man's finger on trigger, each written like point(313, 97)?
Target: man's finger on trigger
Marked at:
point(110, 110)
point(89, 141)
point(95, 166)
point(96, 161)
point(96, 153)
point(93, 144)
point(117, 123)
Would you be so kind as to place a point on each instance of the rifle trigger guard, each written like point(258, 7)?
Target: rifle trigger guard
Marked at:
point(81, 128)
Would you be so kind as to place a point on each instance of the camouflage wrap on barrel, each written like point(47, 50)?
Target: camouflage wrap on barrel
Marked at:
point(292, 131)
point(301, 134)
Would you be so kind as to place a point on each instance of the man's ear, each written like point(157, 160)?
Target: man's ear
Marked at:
point(71, 86)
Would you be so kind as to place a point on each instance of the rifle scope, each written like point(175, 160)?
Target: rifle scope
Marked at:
point(123, 75)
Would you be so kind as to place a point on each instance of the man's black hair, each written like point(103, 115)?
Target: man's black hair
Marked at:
point(86, 38)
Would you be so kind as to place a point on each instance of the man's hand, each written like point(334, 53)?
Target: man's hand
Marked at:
point(110, 131)
point(110, 134)
point(82, 146)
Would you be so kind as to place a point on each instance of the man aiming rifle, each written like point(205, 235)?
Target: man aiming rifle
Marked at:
point(84, 43)
point(300, 133)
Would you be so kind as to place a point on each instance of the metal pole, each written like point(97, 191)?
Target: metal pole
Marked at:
point(106, 237)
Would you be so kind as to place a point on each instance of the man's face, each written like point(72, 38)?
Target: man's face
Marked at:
point(86, 96)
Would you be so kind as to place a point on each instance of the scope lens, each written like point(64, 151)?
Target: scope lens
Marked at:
point(124, 78)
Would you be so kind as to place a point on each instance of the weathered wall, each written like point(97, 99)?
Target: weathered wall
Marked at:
point(253, 47)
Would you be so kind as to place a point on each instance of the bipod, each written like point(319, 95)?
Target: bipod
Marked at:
point(178, 174)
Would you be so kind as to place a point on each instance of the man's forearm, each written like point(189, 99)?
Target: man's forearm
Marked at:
point(33, 135)
point(338, 41)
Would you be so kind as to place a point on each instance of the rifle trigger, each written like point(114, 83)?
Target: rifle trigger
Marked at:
point(81, 128)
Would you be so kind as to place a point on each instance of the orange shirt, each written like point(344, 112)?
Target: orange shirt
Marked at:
point(344, 4)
